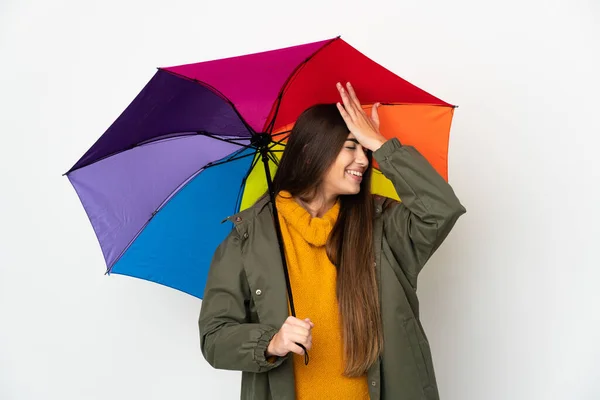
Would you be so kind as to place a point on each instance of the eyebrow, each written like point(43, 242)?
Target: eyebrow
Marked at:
point(352, 140)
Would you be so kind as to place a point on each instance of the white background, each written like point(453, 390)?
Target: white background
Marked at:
point(510, 301)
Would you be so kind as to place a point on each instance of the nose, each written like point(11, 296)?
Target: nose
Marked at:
point(361, 158)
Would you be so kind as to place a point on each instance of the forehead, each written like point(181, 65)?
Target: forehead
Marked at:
point(351, 138)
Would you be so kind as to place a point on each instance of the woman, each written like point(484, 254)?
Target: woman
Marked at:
point(353, 260)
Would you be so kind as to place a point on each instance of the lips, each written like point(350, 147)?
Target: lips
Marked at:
point(355, 175)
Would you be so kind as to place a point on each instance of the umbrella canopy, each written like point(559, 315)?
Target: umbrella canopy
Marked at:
point(186, 153)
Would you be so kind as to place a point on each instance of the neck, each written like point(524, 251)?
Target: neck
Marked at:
point(319, 205)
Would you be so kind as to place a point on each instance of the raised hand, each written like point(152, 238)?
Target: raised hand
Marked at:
point(364, 128)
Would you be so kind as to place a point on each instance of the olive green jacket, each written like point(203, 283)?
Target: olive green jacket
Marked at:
point(245, 300)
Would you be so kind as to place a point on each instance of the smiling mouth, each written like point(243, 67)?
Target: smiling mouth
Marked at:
point(355, 175)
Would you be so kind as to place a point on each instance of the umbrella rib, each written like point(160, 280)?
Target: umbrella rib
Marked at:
point(281, 133)
point(279, 99)
point(213, 136)
point(231, 158)
point(109, 269)
point(166, 136)
point(218, 93)
point(209, 165)
point(238, 203)
point(274, 159)
point(256, 160)
point(280, 142)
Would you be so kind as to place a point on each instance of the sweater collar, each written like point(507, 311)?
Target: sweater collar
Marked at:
point(312, 229)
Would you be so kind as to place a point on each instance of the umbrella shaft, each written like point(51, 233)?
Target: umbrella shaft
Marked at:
point(265, 158)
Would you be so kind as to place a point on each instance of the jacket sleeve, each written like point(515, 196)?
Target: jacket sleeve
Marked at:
point(227, 339)
point(416, 226)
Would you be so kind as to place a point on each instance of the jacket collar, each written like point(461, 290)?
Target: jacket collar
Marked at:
point(250, 212)
point(258, 207)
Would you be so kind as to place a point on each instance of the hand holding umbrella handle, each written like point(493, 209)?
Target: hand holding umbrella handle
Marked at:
point(294, 336)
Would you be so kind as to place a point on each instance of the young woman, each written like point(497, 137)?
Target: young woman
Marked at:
point(353, 260)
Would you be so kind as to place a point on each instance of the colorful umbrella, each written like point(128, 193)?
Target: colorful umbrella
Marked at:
point(192, 148)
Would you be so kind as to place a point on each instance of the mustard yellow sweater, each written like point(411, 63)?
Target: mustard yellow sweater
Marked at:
point(313, 280)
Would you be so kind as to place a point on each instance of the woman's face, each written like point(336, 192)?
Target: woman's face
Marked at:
point(345, 174)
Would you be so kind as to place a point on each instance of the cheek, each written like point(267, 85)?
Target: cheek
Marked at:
point(336, 175)
point(343, 161)
point(341, 166)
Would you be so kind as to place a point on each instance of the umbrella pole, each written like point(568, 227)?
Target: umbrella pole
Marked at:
point(264, 151)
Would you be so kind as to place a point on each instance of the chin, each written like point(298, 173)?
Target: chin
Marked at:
point(350, 191)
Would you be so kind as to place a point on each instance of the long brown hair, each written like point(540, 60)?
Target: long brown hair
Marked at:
point(313, 146)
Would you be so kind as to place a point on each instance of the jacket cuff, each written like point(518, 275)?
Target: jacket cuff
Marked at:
point(387, 149)
point(261, 349)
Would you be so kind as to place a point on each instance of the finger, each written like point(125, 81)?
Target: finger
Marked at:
point(353, 96)
point(294, 348)
point(312, 325)
point(294, 321)
point(348, 103)
point(299, 339)
point(298, 322)
point(299, 330)
point(375, 114)
point(346, 100)
point(308, 345)
point(346, 117)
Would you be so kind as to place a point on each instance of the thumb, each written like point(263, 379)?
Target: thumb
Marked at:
point(310, 322)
